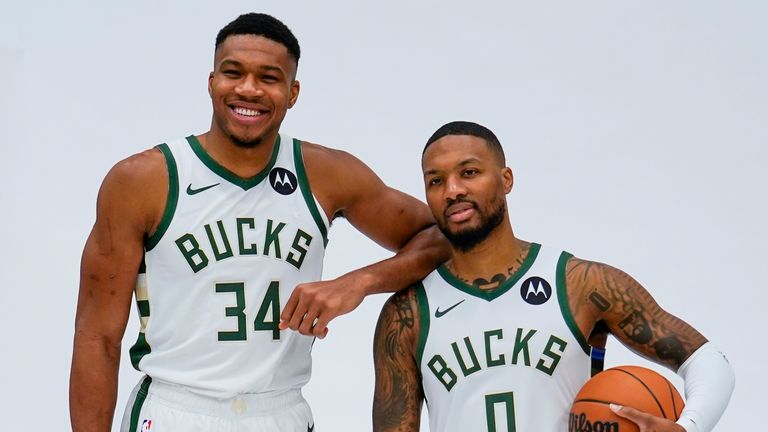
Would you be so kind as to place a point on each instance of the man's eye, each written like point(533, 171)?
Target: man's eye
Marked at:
point(470, 172)
point(434, 181)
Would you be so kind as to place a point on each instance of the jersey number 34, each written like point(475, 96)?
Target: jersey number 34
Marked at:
point(270, 305)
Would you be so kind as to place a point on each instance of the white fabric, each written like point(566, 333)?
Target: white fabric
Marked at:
point(168, 407)
point(709, 381)
point(208, 309)
point(523, 363)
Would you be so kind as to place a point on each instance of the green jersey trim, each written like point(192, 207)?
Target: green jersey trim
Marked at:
point(489, 295)
point(423, 307)
point(141, 396)
point(173, 198)
point(139, 350)
point(243, 183)
point(306, 191)
point(562, 298)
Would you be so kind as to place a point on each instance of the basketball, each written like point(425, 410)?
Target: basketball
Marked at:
point(632, 386)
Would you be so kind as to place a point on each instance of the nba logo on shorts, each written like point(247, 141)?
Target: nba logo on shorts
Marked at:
point(146, 426)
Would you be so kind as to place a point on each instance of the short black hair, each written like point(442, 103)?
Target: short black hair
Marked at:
point(259, 24)
point(471, 129)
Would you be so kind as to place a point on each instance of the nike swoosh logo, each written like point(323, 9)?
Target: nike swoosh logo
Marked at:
point(191, 191)
point(439, 313)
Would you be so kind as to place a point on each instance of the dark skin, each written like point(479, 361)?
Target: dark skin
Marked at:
point(463, 169)
point(251, 87)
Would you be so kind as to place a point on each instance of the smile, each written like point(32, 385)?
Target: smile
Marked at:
point(247, 112)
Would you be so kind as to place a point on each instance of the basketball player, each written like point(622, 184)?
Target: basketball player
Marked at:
point(215, 233)
point(495, 339)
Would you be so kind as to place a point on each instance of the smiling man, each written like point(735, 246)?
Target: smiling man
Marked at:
point(496, 339)
point(214, 235)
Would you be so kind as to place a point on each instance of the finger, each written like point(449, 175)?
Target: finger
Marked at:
point(308, 322)
point(298, 313)
point(628, 413)
point(320, 328)
point(290, 307)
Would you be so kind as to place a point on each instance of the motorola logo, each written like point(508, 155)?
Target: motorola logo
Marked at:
point(536, 290)
point(283, 181)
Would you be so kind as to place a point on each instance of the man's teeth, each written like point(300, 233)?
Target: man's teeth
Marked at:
point(247, 112)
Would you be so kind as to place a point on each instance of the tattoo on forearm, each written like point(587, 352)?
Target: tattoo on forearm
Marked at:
point(670, 348)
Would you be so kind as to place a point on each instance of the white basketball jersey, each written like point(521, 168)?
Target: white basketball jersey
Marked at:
point(223, 262)
point(509, 359)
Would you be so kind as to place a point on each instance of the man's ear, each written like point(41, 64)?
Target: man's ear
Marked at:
point(508, 179)
point(295, 88)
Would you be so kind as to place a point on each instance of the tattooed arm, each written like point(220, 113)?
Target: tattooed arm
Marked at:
point(600, 292)
point(398, 395)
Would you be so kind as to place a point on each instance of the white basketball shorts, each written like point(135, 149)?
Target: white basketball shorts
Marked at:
point(161, 407)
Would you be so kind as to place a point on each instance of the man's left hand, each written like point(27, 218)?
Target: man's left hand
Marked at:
point(313, 305)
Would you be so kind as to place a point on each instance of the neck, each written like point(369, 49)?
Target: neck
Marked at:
point(492, 261)
point(242, 161)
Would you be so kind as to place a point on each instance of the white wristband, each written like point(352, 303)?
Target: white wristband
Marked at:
point(709, 382)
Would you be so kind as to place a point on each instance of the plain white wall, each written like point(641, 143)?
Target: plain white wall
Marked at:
point(636, 132)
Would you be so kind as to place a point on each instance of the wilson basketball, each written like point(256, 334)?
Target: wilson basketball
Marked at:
point(631, 386)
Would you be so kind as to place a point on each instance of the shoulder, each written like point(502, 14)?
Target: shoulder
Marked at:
point(399, 318)
point(136, 188)
point(601, 286)
point(585, 273)
point(338, 178)
point(405, 299)
point(584, 276)
point(140, 168)
point(330, 160)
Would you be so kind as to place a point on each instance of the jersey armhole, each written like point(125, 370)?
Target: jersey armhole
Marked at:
point(562, 298)
point(423, 308)
point(173, 198)
point(306, 191)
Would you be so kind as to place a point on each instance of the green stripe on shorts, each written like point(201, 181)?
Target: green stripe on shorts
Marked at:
point(141, 395)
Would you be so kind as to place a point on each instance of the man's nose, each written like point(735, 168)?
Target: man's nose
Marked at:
point(249, 86)
point(454, 189)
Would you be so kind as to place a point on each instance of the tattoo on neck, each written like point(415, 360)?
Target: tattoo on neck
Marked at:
point(496, 280)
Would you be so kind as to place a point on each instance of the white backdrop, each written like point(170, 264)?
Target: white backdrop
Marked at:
point(636, 131)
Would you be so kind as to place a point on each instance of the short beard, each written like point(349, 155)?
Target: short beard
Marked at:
point(246, 144)
point(468, 239)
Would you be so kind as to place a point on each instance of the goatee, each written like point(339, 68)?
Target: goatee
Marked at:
point(246, 144)
point(467, 239)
